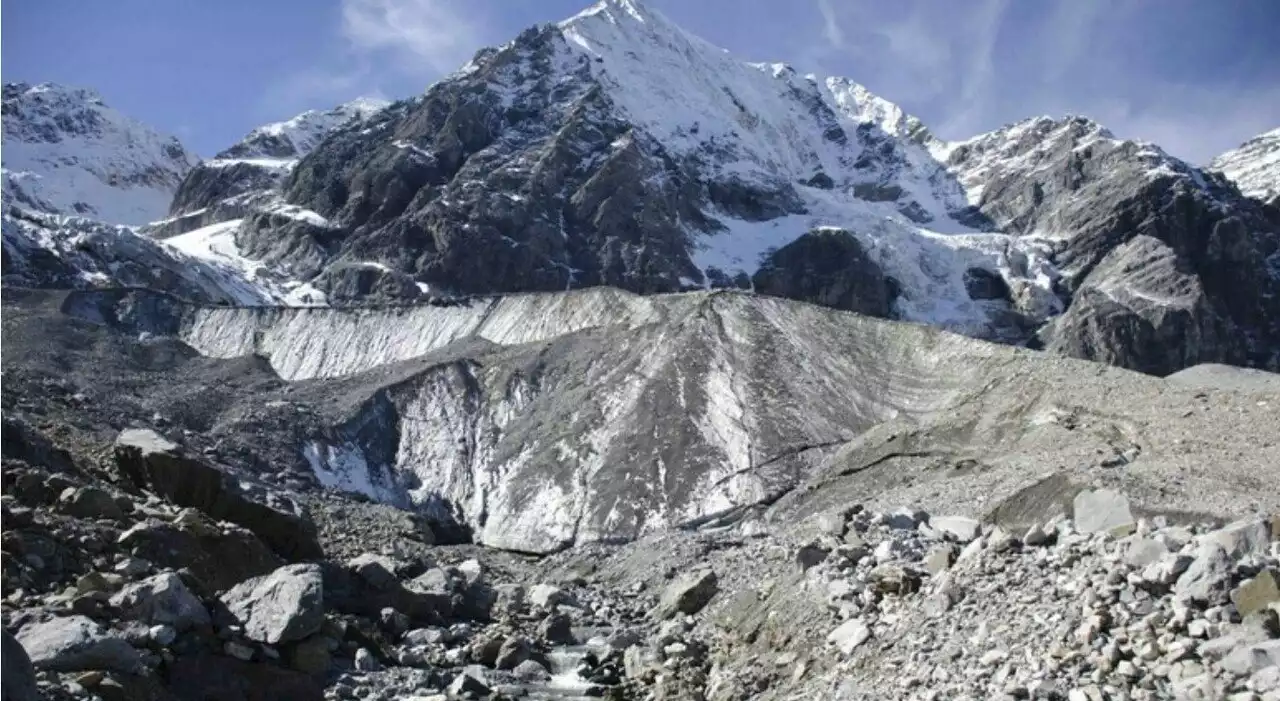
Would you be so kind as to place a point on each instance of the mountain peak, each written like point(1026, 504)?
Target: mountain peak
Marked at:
point(1254, 166)
point(66, 151)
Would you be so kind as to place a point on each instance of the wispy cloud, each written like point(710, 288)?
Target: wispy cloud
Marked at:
point(382, 47)
point(416, 32)
point(974, 66)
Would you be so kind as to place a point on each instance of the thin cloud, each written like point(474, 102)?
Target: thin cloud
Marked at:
point(416, 32)
point(384, 47)
point(830, 25)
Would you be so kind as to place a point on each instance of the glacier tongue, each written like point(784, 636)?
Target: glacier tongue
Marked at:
point(538, 421)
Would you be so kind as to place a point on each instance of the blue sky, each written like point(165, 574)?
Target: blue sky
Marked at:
point(1195, 76)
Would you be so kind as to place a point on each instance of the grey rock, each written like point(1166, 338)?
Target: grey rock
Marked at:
point(849, 636)
point(514, 650)
point(811, 555)
point(280, 607)
point(163, 634)
point(90, 502)
point(688, 594)
point(151, 462)
point(960, 528)
point(1101, 510)
point(365, 661)
point(1208, 578)
point(18, 678)
point(469, 681)
point(1242, 538)
point(828, 267)
point(1143, 552)
point(939, 559)
point(531, 671)
point(1258, 593)
point(163, 599)
point(311, 656)
point(238, 650)
point(557, 629)
point(77, 643)
point(547, 596)
point(378, 570)
point(1250, 658)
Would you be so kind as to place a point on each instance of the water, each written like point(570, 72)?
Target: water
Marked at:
point(564, 684)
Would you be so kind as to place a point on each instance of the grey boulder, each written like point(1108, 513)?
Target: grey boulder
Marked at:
point(280, 607)
point(1101, 510)
point(151, 462)
point(688, 594)
point(162, 600)
point(77, 643)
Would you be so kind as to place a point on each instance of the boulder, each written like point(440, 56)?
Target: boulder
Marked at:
point(556, 629)
point(811, 555)
point(1101, 510)
point(1257, 593)
point(1142, 552)
point(514, 650)
point(547, 596)
point(688, 594)
point(162, 600)
point(281, 607)
point(959, 528)
point(531, 671)
point(18, 677)
point(849, 635)
point(1208, 579)
point(379, 571)
point(220, 556)
point(1242, 538)
point(89, 502)
point(77, 643)
point(151, 462)
point(469, 682)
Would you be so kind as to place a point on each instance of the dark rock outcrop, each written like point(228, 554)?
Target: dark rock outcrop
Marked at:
point(151, 462)
point(827, 267)
point(18, 681)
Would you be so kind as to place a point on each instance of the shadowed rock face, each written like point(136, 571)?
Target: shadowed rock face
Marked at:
point(1164, 266)
point(827, 267)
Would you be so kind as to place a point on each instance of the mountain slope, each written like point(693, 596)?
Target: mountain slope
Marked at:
point(1254, 166)
point(241, 179)
point(67, 152)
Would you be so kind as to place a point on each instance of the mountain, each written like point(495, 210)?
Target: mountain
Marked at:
point(67, 152)
point(1254, 166)
point(241, 178)
point(614, 148)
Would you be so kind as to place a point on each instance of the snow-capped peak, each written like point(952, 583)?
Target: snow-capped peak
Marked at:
point(66, 151)
point(1254, 166)
point(294, 138)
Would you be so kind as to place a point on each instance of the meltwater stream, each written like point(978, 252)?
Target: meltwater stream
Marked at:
point(564, 682)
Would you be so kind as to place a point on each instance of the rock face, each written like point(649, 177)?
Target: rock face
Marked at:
point(1254, 166)
point(154, 463)
point(284, 606)
point(827, 267)
point(67, 152)
point(74, 643)
point(47, 250)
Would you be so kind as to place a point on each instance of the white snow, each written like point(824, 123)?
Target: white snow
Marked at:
point(1254, 166)
point(301, 133)
point(216, 244)
point(67, 152)
point(345, 468)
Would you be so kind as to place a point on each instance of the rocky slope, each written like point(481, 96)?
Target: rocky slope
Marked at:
point(240, 180)
point(189, 498)
point(67, 152)
point(1254, 166)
